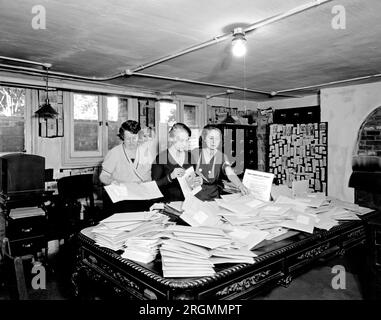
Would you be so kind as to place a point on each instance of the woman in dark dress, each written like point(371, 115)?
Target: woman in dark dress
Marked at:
point(212, 164)
point(172, 163)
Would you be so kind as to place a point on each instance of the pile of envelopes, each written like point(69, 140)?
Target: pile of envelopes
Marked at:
point(116, 231)
point(194, 251)
point(218, 232)
point(251, 221)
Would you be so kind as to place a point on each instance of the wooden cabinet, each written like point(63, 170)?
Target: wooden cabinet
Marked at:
point(239, 143)
point(375, 244)
point(26, 235)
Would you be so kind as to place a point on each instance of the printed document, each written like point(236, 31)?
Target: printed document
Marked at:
point(259, 183)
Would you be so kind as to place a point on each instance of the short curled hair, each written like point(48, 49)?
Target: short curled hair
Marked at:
point(130, 126)
point(205, 131)
point(179, 126)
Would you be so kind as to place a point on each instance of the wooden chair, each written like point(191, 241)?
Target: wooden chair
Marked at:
point(13, 273)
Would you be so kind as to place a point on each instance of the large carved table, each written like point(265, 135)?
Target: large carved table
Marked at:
point(277, 264)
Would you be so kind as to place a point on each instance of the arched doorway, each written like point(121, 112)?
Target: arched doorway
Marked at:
point(366, 163)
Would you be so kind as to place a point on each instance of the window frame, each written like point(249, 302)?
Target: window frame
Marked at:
point(201, 116)
point(28, 116)
point(70, 157)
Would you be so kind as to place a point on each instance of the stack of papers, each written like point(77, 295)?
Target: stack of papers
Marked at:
point(187, 253)
point(141, 249)
point(114, 231)
point(109, 238)
point(255, 216)
point(337, 213)
point(199, 213)
point(232, 255)
point(247, 236)
point(301, 213)
point(26, 212)
point(183, 259)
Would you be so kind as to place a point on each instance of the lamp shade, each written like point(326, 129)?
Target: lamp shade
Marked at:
point(46, 111)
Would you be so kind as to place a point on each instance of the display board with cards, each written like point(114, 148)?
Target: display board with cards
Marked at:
point(299, 152)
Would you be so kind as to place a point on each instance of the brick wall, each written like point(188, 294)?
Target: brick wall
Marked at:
point(370, 135)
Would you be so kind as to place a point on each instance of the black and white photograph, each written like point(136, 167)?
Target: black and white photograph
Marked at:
point(273, 106)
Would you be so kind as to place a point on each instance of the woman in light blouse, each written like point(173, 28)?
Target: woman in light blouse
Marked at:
point(129, 162)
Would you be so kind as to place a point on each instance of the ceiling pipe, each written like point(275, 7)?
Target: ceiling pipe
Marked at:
point(202, 83)
point(134, 72)
point(127, 73)
point(222, 37)
point(316, 86)
point(61, 74)
point(45, 65)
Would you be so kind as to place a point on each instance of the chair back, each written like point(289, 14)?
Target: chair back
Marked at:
point(76, 187)
point(14, 273)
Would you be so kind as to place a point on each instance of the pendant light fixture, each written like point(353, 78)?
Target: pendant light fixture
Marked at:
point(46, 110)
point(228, 118)
point(239, 43)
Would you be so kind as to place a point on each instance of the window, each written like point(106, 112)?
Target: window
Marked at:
point(92, 126)
point(168, 111)
point(86, 124)
point(168, 115)
point(117, 112)
point(12, 119)
point(191, 120)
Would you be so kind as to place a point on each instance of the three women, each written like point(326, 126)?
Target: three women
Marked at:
point(131, 162)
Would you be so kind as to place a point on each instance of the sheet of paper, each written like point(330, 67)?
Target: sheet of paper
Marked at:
point(300, 188)
point(249, 237)
point(133, 191)
point(363, 210)
point(200, 218)
point(281, 190)
point(231, 196)
point(186, 183)
point(299, 225)
point(259, 183)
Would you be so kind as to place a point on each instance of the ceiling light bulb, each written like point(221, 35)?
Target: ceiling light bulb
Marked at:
point(239, 47)
point(239, 43)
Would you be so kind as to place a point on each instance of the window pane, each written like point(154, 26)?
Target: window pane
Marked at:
point(117, 113)
point(12, 113)
point(168, 113)
point(86, 124)
point(190, 119)
point(190, 116)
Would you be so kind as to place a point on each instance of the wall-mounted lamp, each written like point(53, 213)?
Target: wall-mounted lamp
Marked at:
point(239, 42)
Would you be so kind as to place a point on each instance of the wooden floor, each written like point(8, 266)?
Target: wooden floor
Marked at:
point(316, 284)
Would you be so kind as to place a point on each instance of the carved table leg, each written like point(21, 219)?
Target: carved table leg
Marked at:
point(285, 282)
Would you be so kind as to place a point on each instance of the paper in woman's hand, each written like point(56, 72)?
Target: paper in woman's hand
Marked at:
point(187, 183)
point(133, 191)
